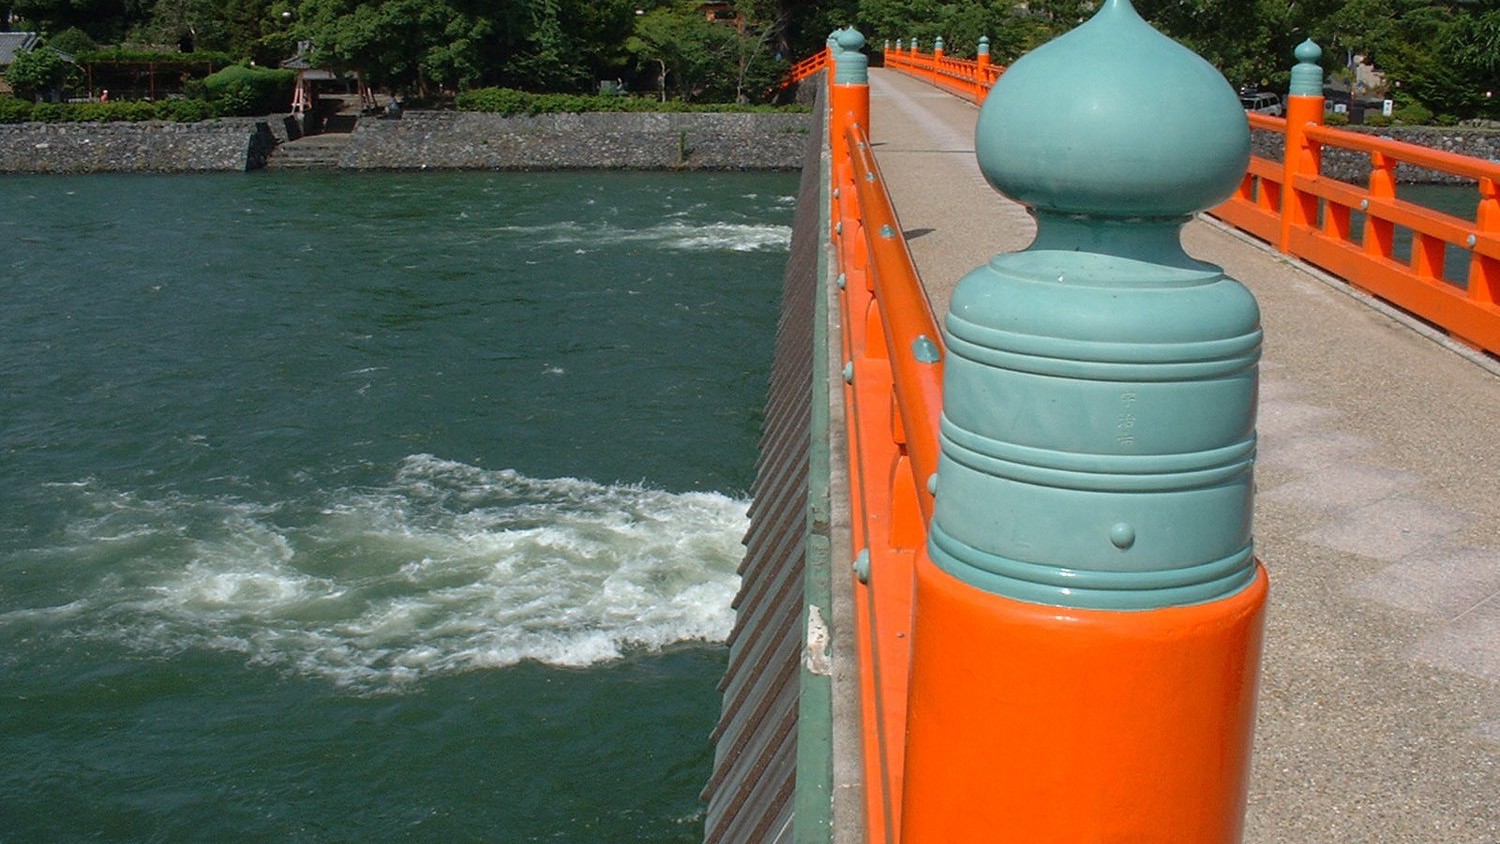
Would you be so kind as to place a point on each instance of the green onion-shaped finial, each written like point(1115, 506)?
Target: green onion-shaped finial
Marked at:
point(1307, 75)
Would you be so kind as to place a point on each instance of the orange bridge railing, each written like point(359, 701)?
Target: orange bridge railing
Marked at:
point(892, 399)
point(1450, 277)
point(1350, 229)
point(967, 78)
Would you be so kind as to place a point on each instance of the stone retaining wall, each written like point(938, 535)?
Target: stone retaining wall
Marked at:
point(229, 144)
point(1354, 167)
point(422, 140)
point(615, 141)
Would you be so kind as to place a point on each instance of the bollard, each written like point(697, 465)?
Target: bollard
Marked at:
point(981, 69)
point(1088, 617)
point(851, 91)
point(1304, 106)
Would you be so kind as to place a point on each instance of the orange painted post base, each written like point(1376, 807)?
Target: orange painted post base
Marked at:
point(1077, 725)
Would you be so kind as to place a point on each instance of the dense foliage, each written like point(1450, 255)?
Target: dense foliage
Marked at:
point(1441, 56)
point(429, 48)
point(239, 89)
point(511, 102)
point(35, 72)
point(15, 110)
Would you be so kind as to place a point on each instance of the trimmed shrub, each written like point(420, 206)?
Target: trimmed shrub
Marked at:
point(250, 91)
point(14, 110)
point(1335, 119)
point(1413, 114)
point(116, 54)
point(185, 111)
point(49, 112)
point(494, 100)
point(509, 102)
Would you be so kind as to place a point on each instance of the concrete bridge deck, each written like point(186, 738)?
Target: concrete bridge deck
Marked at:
point(1377, 515)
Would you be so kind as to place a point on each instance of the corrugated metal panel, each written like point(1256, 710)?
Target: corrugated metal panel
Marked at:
point(750, 795)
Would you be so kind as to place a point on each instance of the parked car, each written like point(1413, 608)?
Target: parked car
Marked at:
point(1262, 103)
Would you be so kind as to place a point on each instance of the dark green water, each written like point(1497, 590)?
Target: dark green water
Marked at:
point(396, 507)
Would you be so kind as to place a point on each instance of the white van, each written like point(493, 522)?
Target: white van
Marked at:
point(1262, 103)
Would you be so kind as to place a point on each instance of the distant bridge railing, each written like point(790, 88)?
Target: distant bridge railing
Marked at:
point(1317, 218)
point(968, 78)
point(805, 68)
point(1311, 216)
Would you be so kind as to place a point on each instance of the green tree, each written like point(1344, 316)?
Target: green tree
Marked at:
point(36, 72)
point(72, 41)
point(104, 20)
point(686, 49)
point(547, 57)
point(413, 45)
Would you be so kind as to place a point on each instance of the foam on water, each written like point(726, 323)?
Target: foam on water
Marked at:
point(673, 234)
point(447, 567)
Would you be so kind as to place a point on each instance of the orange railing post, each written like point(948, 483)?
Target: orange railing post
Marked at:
point(982, 69)
point(1088, 614)
point(850, 99)
point(1484, 269)
point(1304, 107)
point(892, 380)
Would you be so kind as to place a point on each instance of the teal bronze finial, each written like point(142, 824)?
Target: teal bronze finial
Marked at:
point(1099, 387)
point(937, 45)
point(853, 67)
point(984, 45)
point(899, 42)
point(1113, 117)
point(850, 40)
point(1307, 74)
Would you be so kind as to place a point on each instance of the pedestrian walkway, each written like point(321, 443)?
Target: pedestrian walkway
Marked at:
point(1377, 515)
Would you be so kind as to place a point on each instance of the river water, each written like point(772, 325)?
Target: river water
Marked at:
point(374, 507)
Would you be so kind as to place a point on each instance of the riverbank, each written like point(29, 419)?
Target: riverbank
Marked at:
point(1351, 166)
point(226, 144)
point(422, 141)
point(448, 140)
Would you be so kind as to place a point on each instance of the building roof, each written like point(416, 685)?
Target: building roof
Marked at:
point(12, 43)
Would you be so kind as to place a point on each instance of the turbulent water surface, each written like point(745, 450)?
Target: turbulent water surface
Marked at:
point(387, 507)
